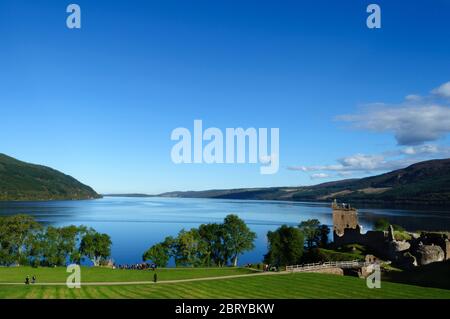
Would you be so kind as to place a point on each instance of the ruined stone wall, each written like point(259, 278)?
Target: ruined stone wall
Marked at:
point(441, 240)
point(332, 271)
point(343, 219)
point(348, 236)
point(429, 247)
point(375, 240)
point(447, 250)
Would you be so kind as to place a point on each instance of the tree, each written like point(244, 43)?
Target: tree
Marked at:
point(71, 237)
point(186, 248)
point(324, 231)
point(285, 246)
point(382, 224)
point(158, 254)
point(310, 229)
point(210, 244)
point(52, 253)
point(238, 238)
point(96, 246)
point(25, 241)
point(212, 239)
point(16, 235)
point(56, 246)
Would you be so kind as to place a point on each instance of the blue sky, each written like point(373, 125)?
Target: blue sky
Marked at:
point(100, 103)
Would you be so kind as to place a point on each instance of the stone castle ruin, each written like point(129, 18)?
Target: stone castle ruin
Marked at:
point(422, 249)
point(344, 217)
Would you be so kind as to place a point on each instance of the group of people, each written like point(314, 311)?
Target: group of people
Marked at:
point(265, 267)
point(268, 267)
point(142, 266)
point(28, 281)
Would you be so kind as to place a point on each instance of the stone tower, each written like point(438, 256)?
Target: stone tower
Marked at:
point(344, 217)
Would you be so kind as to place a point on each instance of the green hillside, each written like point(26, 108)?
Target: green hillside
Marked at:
point(25, 181)
point(422, 183)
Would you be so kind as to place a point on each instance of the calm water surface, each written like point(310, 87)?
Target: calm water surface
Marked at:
point(135, 224)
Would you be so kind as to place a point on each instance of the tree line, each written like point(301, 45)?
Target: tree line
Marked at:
point(287, 244)
point(24, 241)
point(221, 244)
point(208, 245)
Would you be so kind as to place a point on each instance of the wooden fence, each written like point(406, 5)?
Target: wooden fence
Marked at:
point(328, 264)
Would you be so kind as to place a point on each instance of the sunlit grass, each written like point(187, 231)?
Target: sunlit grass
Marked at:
point(301, 285)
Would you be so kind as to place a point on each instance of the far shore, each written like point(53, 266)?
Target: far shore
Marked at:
point(358, 203)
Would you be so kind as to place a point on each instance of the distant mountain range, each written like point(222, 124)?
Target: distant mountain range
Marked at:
point(425, 183)
point(23, 181)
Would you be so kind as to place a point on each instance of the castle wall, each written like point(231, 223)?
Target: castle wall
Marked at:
point(344, 219)
point(375, 240)
point(429, 238)
point(429, 247)
point(447, 250)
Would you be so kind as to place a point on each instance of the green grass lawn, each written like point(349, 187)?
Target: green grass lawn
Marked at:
point(300, 285)
point(97, 274)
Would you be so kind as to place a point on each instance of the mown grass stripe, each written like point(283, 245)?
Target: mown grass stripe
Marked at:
point(267, 286)
point(209, 290)
point(187, 290)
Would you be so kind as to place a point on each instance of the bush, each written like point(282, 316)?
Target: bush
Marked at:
point(323, 255)
point(382, 224)
point(401, 235)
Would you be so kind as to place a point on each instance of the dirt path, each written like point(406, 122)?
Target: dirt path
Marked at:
point(122, 283)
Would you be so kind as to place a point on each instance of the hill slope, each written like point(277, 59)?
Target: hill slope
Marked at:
point(421, 183)
point(24, 181)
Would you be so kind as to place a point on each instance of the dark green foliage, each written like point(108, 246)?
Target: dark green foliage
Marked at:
point(57, 246)
point(24, 181)
point(158, 254)
point(17, 235)
point(187, 248)
point(96, 246)
point(213, 237)
point(23, 241)
point(311, 231)
point(324, 231)
point(315, 255)
point(237, 237)
point(285, 246)
point(209, 245)
point(382, 224)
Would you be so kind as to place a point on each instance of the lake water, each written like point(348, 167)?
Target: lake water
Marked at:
point(135, 224)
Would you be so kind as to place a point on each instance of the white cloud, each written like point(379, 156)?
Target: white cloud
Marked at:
point(414, 122)
point(367, 164)
point(413, 98)
point(443, 90)
point(362, 162)
point(353, 163)
point(411, 125)
point(422, 149)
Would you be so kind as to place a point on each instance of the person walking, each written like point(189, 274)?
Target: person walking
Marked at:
point(33, 280)
point(27, 280)
point(155, 278)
